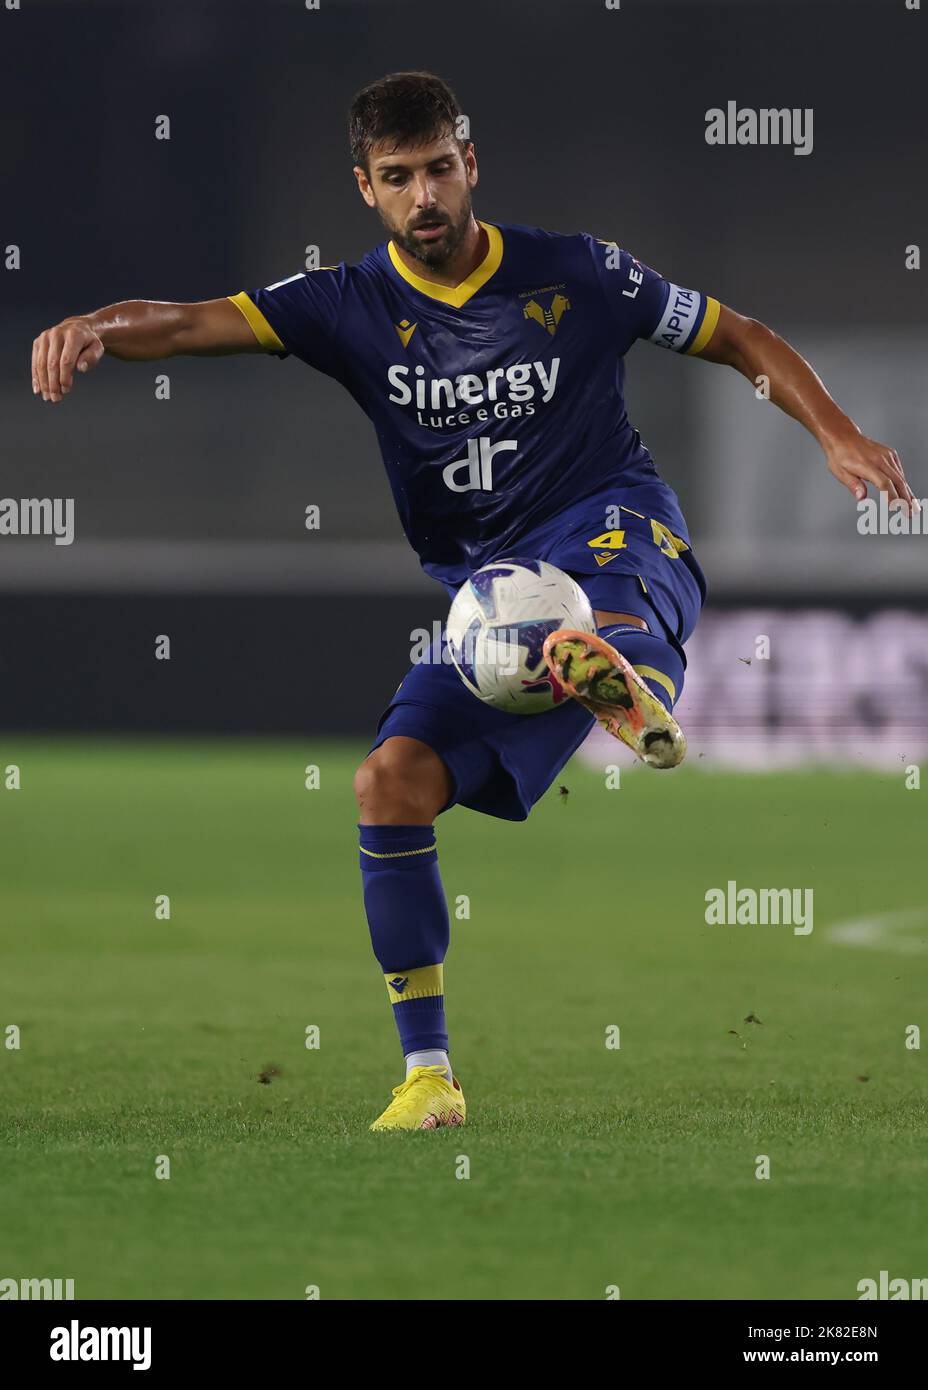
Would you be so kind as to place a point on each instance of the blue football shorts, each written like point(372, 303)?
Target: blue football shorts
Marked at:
point(641, 563)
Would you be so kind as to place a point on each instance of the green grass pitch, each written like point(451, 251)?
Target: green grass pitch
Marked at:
point(589, 1167)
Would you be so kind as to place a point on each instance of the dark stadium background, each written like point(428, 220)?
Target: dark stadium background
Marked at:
point(189, 513)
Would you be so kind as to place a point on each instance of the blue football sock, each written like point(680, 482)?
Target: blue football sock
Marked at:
point(408, 919)
point(658, 663)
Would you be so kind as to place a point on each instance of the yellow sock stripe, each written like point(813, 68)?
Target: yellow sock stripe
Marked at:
point(257, 322)
point(422, 983)
point(709, 319)
point(398, 853)
point(649, 673)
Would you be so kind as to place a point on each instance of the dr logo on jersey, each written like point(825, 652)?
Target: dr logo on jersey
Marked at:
point(478, 466)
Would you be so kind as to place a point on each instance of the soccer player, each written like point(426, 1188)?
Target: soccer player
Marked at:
point(489, 359)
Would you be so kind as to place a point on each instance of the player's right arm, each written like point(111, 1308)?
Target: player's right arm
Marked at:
point(137, 330)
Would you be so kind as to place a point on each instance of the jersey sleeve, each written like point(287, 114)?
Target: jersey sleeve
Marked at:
point(644, 304)
point(298, 315)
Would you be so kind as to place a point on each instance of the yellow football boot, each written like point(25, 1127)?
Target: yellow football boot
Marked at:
point(425, 1100)
point(591, 670)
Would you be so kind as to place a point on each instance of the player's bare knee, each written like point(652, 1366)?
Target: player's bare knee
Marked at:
point(403, 782)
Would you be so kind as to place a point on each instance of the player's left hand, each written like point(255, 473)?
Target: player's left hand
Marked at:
point(856, 461)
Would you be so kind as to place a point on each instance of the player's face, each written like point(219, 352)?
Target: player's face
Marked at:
point(423, 196)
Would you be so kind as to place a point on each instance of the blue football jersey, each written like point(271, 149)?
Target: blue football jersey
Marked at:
point(498, 404)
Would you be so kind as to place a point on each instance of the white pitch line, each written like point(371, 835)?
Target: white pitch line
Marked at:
point(882, 933)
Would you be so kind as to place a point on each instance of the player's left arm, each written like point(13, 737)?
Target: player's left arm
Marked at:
point(756, 351)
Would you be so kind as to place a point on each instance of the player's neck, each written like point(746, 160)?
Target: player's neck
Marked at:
point(464, 262)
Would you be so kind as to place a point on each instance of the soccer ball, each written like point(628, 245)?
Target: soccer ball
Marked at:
point(497, 626)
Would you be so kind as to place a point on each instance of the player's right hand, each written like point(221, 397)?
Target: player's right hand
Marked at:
point(70, 346)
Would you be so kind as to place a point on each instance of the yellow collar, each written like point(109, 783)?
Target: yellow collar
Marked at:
point(458, 294)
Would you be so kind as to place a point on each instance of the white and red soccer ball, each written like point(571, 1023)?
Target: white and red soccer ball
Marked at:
point(497, 627)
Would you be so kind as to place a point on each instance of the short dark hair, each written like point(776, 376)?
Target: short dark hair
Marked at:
point(409, 108)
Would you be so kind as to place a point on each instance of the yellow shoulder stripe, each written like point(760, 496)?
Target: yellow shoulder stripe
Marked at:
point(257, 322)
point(707, 327)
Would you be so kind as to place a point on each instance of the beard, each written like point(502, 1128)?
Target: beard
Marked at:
point(437, 254)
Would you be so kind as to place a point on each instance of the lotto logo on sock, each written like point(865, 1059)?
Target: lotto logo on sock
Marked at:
point(399, 983)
